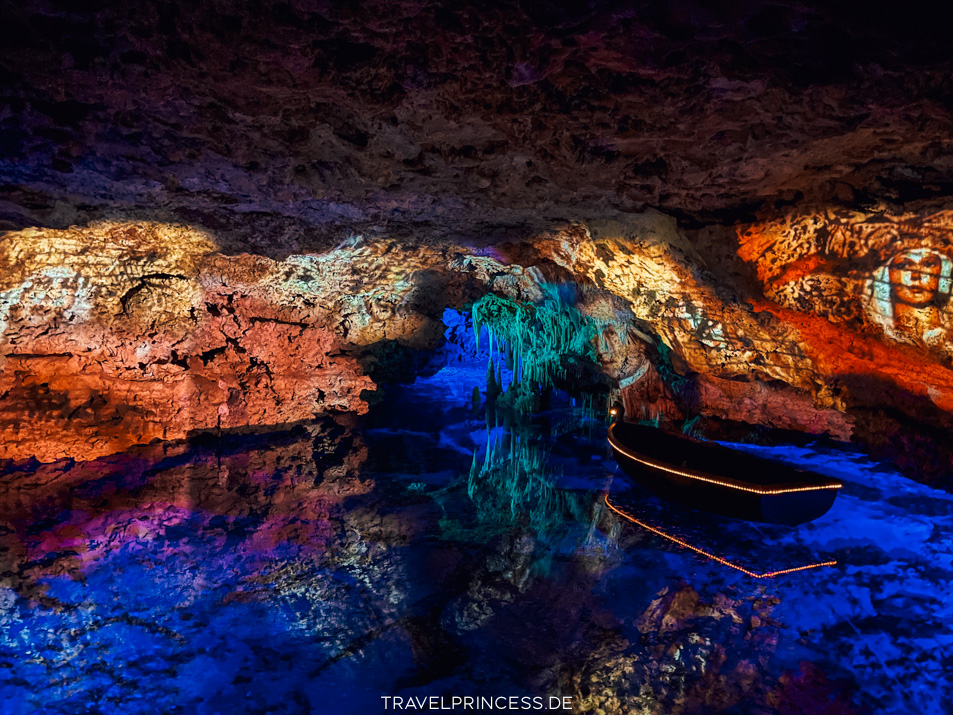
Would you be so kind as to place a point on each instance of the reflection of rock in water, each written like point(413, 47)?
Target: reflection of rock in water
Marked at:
point(518, 505)
point(511, 486)
point(272, 491)
point(288, 571)
point(540, 596)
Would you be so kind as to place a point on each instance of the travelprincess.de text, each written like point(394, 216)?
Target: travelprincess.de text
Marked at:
point(467, 702)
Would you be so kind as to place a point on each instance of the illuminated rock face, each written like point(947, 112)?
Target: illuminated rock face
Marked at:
point(869, 294)
point(121, 333)
point(738, 356)
point(470, 148)
point(889, 274)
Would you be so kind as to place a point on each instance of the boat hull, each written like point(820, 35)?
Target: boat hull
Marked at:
point(751, 500)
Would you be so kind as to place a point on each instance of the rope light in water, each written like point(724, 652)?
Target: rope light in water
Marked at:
point(713, 557)
point(711, 480)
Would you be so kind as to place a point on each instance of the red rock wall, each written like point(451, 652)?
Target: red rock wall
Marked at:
point(869, 294)
point(120, 333)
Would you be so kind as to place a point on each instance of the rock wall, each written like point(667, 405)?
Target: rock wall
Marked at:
point(746, 364)
point(889, 274)
point(122, 332)
point(869, 293)
point(213, 163)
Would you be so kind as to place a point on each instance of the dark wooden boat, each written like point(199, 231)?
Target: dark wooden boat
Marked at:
point(708, 476)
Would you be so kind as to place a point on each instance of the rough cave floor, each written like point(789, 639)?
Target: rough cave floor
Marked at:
point(322, 568)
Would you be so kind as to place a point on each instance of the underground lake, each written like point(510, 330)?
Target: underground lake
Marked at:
point(438, 549)
point(387, 356)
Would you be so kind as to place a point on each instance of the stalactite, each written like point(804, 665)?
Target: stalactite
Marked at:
point(541, 343)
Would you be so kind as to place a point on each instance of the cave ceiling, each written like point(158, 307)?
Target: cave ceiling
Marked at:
point(260, 119)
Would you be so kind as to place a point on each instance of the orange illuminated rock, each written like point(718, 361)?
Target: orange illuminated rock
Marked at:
point(120, 333)
point(725, 350)
point(840, 352)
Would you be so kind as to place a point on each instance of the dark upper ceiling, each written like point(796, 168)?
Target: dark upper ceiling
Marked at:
point(400, 112)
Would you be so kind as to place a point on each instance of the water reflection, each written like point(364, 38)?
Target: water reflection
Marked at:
point(452, 554)
point(254, 496)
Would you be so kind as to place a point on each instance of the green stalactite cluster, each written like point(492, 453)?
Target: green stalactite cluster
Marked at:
point(543, 343)
point(547, 344)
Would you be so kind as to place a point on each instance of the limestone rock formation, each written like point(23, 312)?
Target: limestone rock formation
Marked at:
point(422, 111)
point(218, 219)
point(120, 333)
point(124, 332)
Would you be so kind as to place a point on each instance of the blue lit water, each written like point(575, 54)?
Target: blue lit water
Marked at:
point(321, 569)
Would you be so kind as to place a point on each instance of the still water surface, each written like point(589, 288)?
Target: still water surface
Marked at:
point(423, 551)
